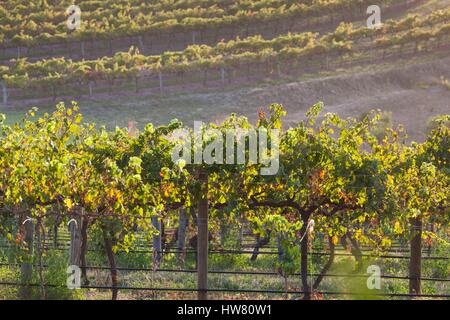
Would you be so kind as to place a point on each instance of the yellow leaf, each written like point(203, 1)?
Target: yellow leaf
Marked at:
point(68, 203)
point(334, 240)
point(397, 227)
point(390, 179)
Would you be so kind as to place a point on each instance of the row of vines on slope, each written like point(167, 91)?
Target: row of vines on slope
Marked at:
point(44, 23)
point(292, 49)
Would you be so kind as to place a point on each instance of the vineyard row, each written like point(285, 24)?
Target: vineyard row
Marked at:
point(48, 26)
point(229, 57)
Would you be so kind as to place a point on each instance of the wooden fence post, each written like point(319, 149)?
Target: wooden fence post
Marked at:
point(157, 244)
point(202, 243)
point(74, 226)
point(40, 265)
point(141, 44)
point(415, 262)
point(26, 268)
point(5, 92)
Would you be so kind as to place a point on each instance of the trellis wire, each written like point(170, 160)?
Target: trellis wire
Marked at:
point(274, 253)
point(240, 290)
point(257, 273)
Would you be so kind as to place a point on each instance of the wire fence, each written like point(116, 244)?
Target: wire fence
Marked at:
point(269, 253)
point(224, 290)
point(392, 253)
point(256, 273)
point(238, 290)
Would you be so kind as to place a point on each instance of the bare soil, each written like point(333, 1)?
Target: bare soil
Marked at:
point(412, 93)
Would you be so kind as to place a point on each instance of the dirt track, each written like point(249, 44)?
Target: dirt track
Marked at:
point(411, 92)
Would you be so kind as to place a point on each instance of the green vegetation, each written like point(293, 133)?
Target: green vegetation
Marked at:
point(349, 193)
point(287, 50)
point(42, 23)
point(335, 172)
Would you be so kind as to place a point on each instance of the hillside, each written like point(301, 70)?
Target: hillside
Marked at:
point(320, 172)
point(411, 89)
point(349, 67)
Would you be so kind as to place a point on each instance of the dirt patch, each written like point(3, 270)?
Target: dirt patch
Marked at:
point(412, 93)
